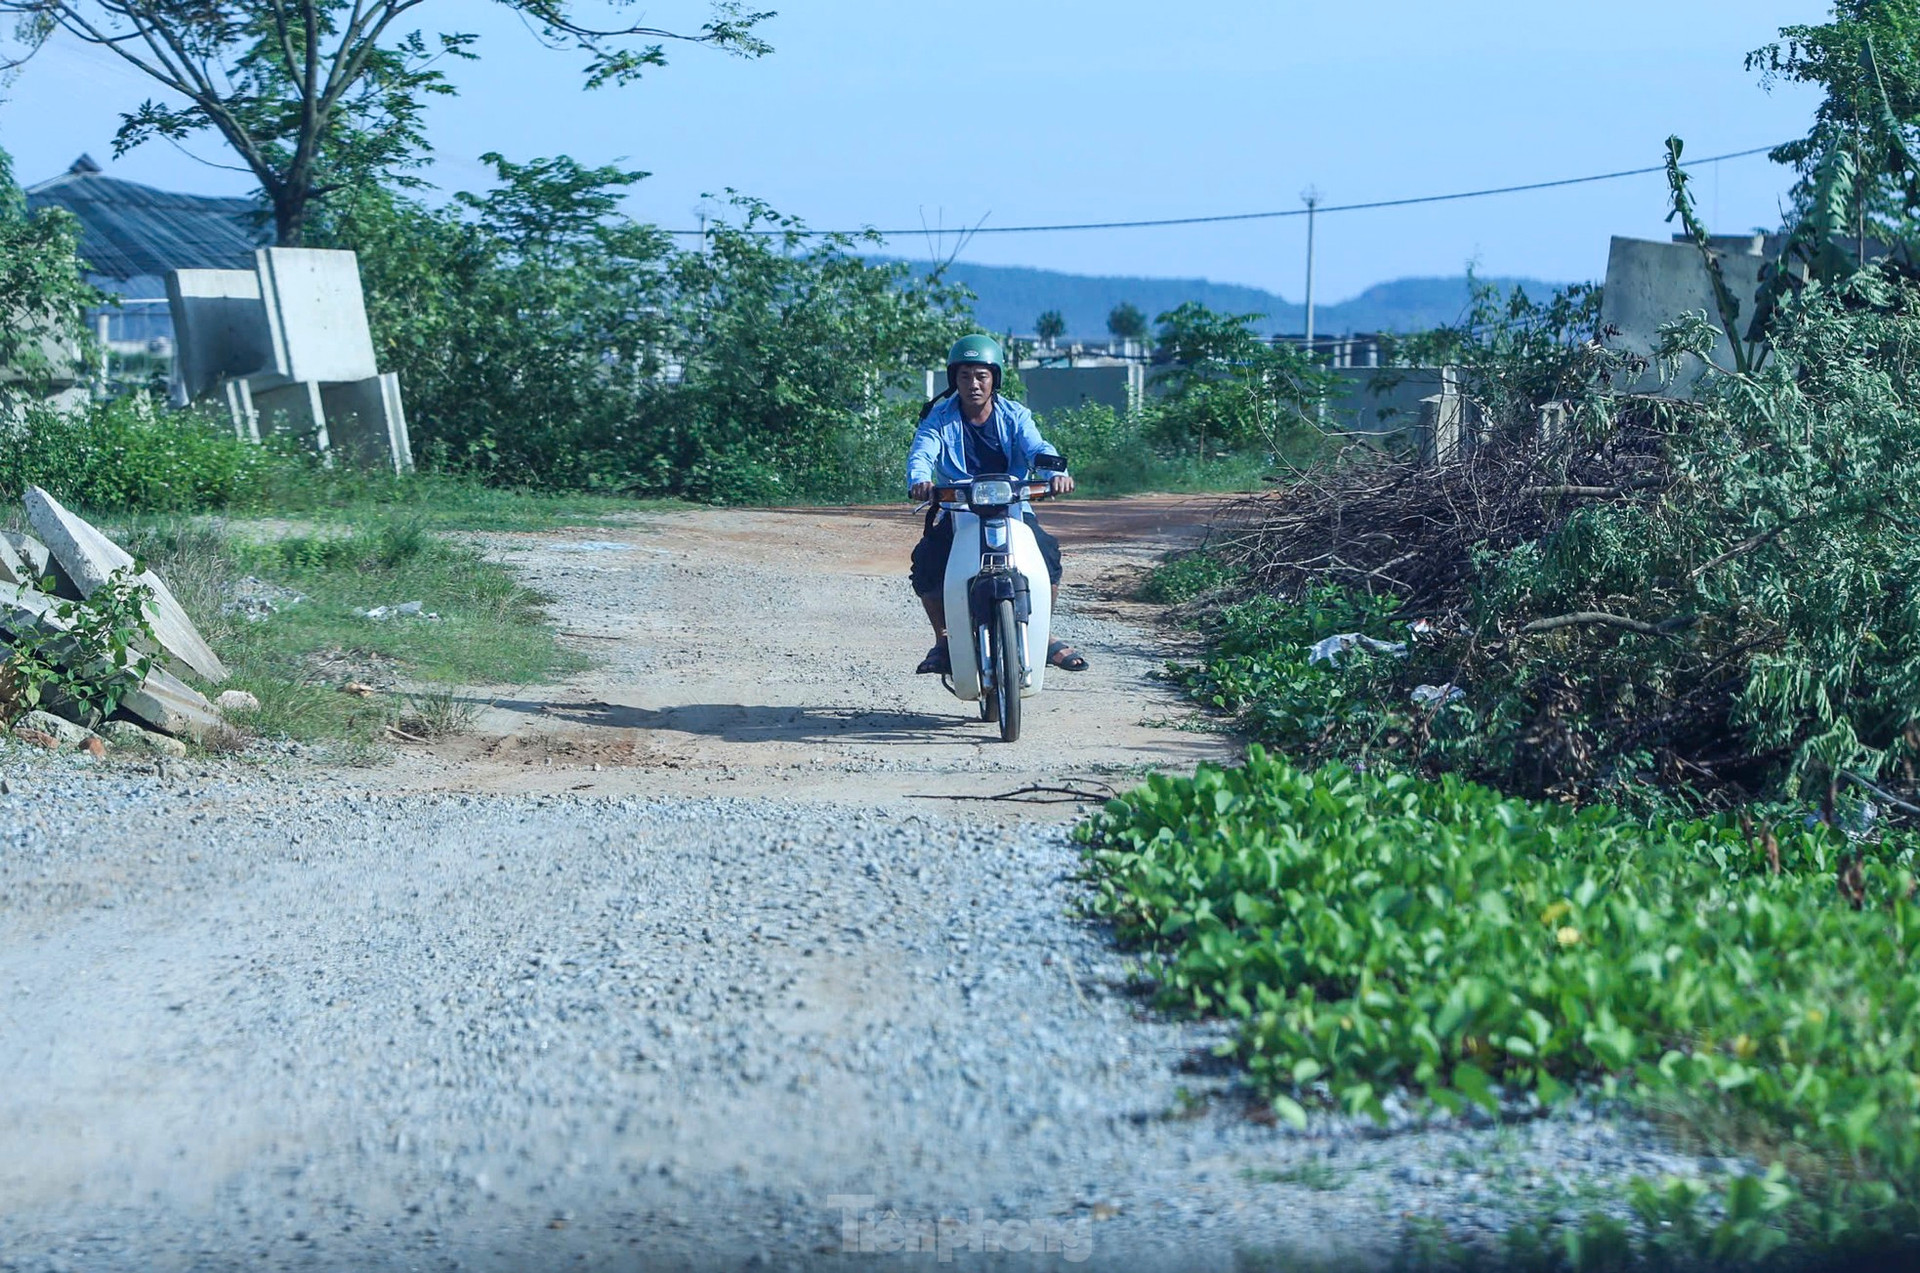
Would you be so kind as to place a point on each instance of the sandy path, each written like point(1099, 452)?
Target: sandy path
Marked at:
point(771, 653)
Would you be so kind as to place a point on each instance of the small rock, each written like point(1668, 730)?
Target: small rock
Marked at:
point(63, 732)
point(236, 701)
point(360, 688)
point(127, 736)
point(94, 747)
point(6, 788)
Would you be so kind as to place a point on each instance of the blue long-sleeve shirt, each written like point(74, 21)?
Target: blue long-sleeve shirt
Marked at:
point(939, 450)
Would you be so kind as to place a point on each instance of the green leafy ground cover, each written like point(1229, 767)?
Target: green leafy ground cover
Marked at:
point(1374, 933)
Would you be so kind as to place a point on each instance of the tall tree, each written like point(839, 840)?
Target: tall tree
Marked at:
point(1859, 157)
point(317, 95)
point(1050, 326)
point(1126, 322)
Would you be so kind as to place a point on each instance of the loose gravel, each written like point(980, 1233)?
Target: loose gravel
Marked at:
point(260, 1017)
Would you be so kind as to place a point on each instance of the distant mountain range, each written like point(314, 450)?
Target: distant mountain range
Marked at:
point(1011, 297)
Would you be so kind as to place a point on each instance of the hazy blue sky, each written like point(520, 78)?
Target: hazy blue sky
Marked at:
point(882, 112)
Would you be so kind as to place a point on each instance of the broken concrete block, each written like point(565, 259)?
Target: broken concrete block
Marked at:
point(63, 732)
point(31, 551)
point(25, 609)
point(13, 568)
point(170, 705)
point(316, 313)
point(90, 558)
point(124, 735)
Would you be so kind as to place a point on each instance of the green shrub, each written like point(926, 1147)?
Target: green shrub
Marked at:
point(128, 454)
point(1376, 932)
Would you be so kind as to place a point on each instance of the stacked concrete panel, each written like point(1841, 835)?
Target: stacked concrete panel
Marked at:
point(288, 347)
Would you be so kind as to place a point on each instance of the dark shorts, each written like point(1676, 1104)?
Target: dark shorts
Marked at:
point(929, 569)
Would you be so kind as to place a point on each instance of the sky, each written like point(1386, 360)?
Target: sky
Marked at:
point(898, 114)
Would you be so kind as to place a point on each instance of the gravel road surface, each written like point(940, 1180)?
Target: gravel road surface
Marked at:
point(454, 1014)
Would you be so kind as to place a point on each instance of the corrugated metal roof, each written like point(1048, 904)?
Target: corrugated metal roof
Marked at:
point(129, 229)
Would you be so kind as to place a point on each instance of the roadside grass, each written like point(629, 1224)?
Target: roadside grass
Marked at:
point(490, 628)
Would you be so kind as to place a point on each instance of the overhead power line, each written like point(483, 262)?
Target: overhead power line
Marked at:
point(1269, 216)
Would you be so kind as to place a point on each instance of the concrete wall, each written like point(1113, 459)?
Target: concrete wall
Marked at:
point(1382, 399)
point(1650, 283)
point(1116, 385)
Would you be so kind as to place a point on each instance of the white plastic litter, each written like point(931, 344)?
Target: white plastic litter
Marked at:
point(1427, 694)
point(405, 610)
point(1330, 649)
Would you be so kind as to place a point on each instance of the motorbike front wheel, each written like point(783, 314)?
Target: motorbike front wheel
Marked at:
point(1005, 634)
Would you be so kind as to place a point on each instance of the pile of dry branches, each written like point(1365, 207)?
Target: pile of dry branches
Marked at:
point(1387, 524)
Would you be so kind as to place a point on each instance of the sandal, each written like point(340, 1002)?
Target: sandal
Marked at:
point(937, 662)
point(1065, 657)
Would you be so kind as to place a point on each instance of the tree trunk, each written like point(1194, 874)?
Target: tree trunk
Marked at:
point(290, 218)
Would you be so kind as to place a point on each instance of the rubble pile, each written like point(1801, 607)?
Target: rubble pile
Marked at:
point(67, 559)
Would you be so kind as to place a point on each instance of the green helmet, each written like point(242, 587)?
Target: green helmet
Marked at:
point(975, 348)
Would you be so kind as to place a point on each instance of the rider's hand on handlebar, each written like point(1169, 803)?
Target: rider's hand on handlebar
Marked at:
point(921, 490)
point(1060, 484)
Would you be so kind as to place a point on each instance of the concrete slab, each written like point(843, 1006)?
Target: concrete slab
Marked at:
point(366, 422)
point(220, 329)
point(90, 559)
point(297, 410)
point(316, 313)
point(170, 705)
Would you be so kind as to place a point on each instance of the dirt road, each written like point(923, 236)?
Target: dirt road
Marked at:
point(667, 969)
point(771, 653)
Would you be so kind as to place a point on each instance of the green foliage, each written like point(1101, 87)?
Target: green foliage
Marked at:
point(1514, 352)
point(1372, 933)
point(1115, 454)
point(1050, 327)
point(1225, 386)
point(93, 655)
point(546, 341)
point(801, 366)
point(1184, 576)
point(1866, 62)
point(42, 295)
point(129, 454)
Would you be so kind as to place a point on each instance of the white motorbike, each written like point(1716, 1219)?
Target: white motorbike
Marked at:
point(999, 598)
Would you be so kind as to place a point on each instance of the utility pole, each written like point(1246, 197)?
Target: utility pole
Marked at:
point(1311, 197)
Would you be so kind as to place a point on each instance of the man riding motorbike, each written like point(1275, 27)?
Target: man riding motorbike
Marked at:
point(969, 430)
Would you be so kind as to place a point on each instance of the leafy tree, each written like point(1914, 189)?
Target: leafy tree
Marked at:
point(1226, 384)
point(1050, 326)
point(547, 340)
point(42, 296)
point(798, 357)
point(316, 96)
point(1867, 61)
point(1126, 322)
point(525, 323)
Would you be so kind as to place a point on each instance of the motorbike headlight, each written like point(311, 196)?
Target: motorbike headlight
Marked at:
point(992, 494)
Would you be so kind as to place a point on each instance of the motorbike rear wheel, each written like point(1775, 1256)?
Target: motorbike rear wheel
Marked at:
point(1005, 634)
